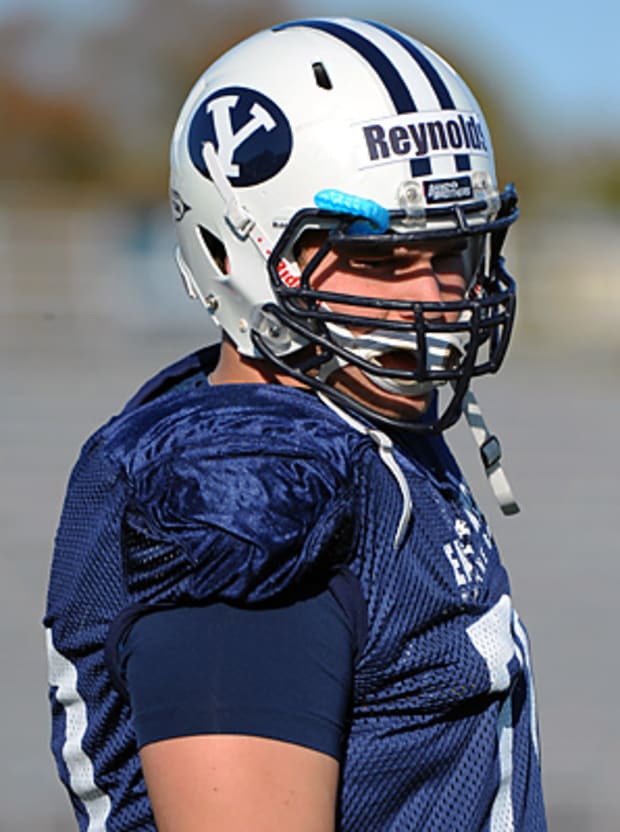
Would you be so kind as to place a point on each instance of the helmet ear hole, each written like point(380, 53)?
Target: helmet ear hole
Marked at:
point(215, 248)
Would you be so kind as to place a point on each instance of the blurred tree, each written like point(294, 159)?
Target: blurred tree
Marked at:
point(49, 138)
point(600, 180)
point(140, 72)
point(108, 121)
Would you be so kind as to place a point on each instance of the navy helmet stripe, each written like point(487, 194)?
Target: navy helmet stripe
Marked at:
point(440, 89)
point(396, 87)
point(436, 81)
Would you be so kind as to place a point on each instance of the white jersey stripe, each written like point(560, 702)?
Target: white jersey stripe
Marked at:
point(491, 635)
point(521, 635)
point(502, 815)
point(63, 676)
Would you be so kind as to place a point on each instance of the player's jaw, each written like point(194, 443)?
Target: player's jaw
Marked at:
point(360, 386)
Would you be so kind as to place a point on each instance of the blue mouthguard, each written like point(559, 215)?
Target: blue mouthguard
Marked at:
point(375, 219)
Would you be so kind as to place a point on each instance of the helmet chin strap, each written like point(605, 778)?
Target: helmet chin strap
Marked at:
point(441, 348)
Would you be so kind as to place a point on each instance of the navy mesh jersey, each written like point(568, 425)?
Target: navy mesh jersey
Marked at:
point(243, 492)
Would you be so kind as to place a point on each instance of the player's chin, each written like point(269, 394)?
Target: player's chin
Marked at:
point(354, 383)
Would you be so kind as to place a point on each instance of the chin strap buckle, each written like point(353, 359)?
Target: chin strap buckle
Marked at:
point(490, 454)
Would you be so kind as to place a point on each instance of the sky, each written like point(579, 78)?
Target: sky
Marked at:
point(564, 56)
point(561, 58)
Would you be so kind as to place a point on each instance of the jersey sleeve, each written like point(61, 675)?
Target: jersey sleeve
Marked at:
point(239, 519)
point(280, 672)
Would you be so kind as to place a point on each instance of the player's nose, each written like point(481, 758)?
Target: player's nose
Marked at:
point(419, 283)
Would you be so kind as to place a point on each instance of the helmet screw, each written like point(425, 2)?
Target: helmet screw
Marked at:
point(481, 181)
point(410, 194)
point(212, 303)
point(243, 325)
point(275, 331)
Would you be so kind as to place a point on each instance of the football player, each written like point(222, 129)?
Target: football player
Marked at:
point(274, 603)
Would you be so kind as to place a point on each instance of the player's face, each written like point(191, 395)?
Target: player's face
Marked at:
point(429, 272)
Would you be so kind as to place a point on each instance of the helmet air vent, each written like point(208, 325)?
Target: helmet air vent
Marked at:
point(321, 77)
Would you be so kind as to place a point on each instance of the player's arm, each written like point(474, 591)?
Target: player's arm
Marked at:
point(239, 783)
point(241, 714)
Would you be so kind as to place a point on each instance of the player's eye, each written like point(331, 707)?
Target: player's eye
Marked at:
point(450, 259)
point(374, 264)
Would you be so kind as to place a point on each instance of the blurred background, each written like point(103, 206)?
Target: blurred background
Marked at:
point(90, 305)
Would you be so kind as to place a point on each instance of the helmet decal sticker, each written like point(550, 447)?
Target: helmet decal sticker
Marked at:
point(448, 190)
point(249, 133)
point(422, 136)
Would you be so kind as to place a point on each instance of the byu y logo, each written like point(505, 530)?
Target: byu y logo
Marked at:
point(249, 134)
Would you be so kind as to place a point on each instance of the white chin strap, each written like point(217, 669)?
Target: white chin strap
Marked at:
point(442, 349)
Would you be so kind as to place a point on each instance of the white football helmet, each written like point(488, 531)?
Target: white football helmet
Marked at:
point(355, 128)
